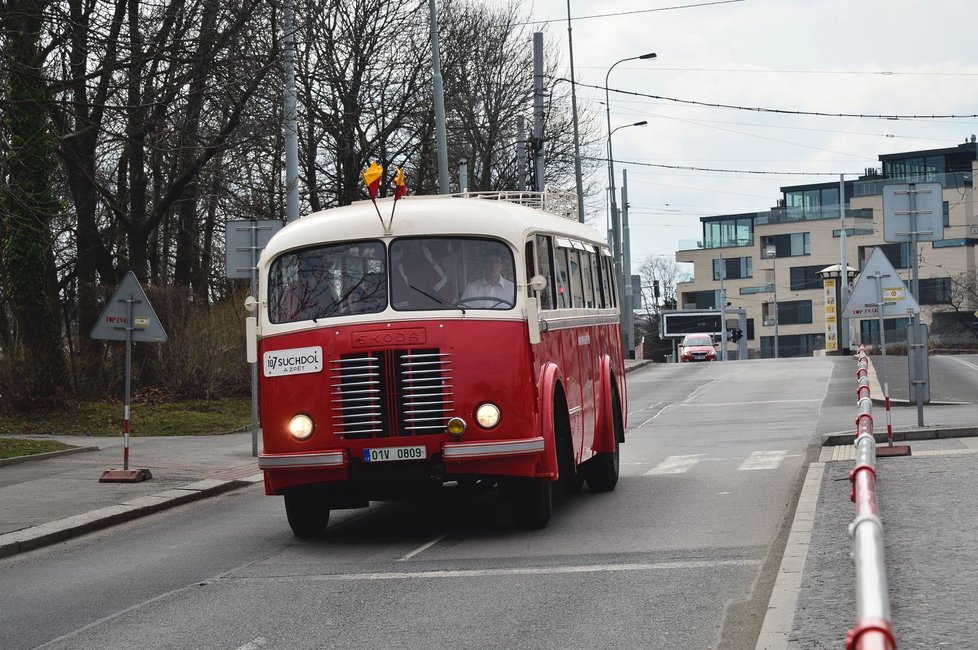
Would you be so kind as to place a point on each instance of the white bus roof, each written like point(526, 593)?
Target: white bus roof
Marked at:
point(428, 215)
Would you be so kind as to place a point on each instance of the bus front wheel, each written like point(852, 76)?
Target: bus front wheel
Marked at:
point(602, 470)
point(532, 502)
point(307, 512)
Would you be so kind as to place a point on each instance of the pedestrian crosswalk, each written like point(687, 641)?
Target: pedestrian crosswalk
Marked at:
point(758, 460)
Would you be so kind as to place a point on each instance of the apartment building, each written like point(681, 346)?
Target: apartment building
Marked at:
point(770, 262)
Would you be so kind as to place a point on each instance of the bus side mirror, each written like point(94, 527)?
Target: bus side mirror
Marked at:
point(533, 320)
point(538, 283)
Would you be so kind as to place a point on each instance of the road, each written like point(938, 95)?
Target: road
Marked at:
point(682, 555)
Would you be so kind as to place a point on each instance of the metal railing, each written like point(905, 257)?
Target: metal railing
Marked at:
point(559, 202)
point(873, 630)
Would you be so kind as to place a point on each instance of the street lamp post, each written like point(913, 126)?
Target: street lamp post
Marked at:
point(772, 254)
point(607, 107)
point(624, 295)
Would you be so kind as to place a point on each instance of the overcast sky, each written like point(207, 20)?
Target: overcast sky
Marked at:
point(893, 57)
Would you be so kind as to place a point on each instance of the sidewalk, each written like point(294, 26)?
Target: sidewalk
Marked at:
point(926, 502)
point(51, 500)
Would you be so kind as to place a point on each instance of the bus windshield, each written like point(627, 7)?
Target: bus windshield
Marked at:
point(353, 278)
point(451, 273)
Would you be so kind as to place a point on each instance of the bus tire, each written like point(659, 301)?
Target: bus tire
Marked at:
point(571, 477)
point(307, 512)
point(532, 503)
point(602, 470)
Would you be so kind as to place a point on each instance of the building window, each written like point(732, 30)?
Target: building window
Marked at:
point(701, 300)
point(935, 291)
point(734, 267)
point(794, 312)
point(806, 277)
point(894, 329)
point(809, 203)
point(898, 254)
point(790, 245)
point(724, 233)
point(792, 345)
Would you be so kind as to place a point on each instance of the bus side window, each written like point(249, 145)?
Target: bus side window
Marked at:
point(608, 273)
point(545, 267)
point(577, 289)
point(560, 276)
point(587, 262)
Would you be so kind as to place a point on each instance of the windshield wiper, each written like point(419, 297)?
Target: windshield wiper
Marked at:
point(438, 299)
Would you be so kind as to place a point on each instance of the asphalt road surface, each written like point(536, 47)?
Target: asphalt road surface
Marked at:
point(682, 555)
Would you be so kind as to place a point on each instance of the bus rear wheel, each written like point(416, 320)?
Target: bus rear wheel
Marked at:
point(307, 512)
point(602, 470)
point(532, 502)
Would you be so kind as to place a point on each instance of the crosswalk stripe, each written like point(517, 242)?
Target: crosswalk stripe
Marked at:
point(763, 460)
point(675, 464)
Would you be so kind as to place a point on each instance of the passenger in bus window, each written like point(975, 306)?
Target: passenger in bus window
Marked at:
point(492, 290)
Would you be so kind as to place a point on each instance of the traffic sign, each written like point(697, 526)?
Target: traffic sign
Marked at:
point(879, 287)
point(913, 209)
point(129, 298)
point(243, 242)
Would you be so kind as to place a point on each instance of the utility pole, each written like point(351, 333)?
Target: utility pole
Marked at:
point(439, 91)
point(539, 182)
point(289, 106)
point(629, 316)
point(577, 141)
point(723, 311)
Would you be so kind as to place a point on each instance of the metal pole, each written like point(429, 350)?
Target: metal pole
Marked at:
point(777, 315)
point(254, 366)
point(291, 128)
point(843, 271)
point(125, 425)
point(915, 317)
point(520, 153)
point(879, 313)
point(629, 320)
point(723, 311)
point(539, 179)
point(577, 142)
point(463, 176)
point(439, 91)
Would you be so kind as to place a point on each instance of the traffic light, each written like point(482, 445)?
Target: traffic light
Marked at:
point(736, 335)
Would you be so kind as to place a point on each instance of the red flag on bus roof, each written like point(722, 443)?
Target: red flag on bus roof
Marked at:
point(400, 188)
point(371, 178)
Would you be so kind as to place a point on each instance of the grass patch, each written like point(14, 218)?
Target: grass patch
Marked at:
point(11, 448)
point(192, 418)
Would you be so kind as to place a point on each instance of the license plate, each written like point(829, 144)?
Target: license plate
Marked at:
point(385, 454)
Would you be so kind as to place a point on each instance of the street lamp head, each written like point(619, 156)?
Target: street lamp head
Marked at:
point(642, 123)
point(650, 55)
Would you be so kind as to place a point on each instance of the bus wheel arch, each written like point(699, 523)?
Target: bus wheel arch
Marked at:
point(602, 471)
point(569, 474)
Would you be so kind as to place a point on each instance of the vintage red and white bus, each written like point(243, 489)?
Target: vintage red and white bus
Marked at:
point(468, 340)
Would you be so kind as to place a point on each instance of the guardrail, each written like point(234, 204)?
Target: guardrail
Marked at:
point(873, 630)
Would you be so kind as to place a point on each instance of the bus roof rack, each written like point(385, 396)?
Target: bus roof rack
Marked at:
point(560, 202)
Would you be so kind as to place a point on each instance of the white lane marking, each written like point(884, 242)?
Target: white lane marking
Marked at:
point(422, 548)
point(771, 401)
point(254, 644)
point(763, 460)
point(962, 361)
point(513, 571)
point(675, 464)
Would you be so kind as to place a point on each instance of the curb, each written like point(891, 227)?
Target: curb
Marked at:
point(638, 364)
point(776, 627)
point(48, 454)
point(904, 435)
point(53, 532)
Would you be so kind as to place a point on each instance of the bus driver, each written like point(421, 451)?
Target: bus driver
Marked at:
point(492, 290)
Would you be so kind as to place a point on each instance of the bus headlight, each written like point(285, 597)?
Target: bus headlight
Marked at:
point(300, 427)
point(487, 415)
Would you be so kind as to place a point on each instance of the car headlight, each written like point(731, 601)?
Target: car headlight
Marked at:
point(300, 427)
point(487, 415)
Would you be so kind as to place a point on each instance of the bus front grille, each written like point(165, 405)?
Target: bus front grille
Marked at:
point(391, 393)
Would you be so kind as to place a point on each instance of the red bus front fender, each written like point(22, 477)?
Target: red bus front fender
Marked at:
point(604, 429)
point(547, 383)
